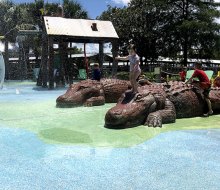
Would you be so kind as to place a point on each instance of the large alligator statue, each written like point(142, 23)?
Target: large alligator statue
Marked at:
point(158, 104)
point(93, 93)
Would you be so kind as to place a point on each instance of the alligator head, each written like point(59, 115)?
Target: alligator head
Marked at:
point(78, 94)
point(132, 109)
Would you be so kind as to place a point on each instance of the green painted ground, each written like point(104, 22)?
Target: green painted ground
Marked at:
point(84, 126)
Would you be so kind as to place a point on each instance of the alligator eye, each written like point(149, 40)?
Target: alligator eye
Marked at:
point(82, 87)
point(138, 97)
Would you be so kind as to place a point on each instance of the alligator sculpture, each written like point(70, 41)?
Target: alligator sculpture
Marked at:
point(158, 104)
point(93, 93)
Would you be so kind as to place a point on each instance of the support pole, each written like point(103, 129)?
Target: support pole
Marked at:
point(51, 64)
point(101, 54)
point(6, 58)
point(44, 58)
point(86, 61)
point(114, 54)
point(21, 59)
point(63, 60)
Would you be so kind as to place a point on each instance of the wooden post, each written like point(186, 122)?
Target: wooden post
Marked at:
point(21, 60)
point(44, 57)
point(51, 64)
point(63, 60)
point(114, 54)
point(101, 54)
point(26, 60)
point(6, 59)
point(86, 62)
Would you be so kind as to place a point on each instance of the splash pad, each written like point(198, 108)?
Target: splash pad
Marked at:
point(41, 144)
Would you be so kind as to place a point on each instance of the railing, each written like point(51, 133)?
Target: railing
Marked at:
point(15, 68)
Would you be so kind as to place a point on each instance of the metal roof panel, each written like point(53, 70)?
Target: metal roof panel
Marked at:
point(79, 28)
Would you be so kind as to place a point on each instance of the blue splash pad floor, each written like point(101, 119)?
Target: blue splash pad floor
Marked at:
point(172, 160)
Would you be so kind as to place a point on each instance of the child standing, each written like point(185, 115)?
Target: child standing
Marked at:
point(135, 70)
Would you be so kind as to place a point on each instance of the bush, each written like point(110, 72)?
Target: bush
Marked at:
point(122, 75)
point(150, 76)
point(125, 75)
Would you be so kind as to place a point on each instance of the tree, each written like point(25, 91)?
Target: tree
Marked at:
point(8, 19)
point(194, 28)
point(148, 19)
point(7, 27)
point(73, 9)
point(120, 19)
point(25, 21)
point(139, 23)
point(169, 28)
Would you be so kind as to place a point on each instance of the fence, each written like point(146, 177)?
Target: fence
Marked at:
point(15, 68)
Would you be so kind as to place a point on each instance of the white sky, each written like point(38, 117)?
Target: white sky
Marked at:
point(2, 45)
point(124, 2)
point(90, 48)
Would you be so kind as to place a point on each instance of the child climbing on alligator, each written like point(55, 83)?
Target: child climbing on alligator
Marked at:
point(135, 70)
point(203, 84)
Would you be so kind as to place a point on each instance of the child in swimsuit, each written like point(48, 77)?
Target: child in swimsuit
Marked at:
point(135, 70)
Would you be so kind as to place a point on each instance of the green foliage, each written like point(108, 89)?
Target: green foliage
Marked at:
point(149, 75)
point(72, 9)
point(217, 48)
point(125, 75)
point(75, 50)
point(167, 28)
point(120, 19)
point(122, 75)
point(29, 16)
point(8, 19)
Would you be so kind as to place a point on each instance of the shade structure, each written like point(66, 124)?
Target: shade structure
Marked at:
point(65, 30)
point(80, 30)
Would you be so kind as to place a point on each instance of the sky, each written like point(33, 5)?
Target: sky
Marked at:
point(93, 7)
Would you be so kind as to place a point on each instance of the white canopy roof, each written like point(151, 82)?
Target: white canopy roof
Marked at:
point(80, 28)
